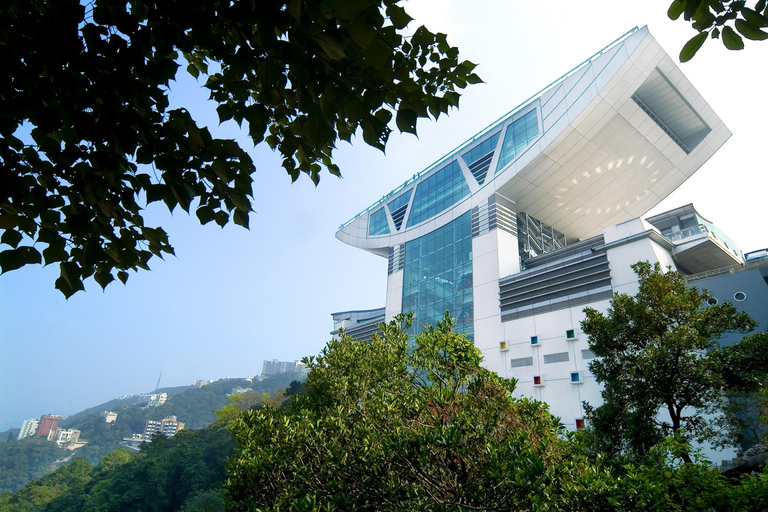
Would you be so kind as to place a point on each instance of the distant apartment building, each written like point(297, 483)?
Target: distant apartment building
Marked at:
point(240, 391)
point(109, 416)
point(68, 438)
point(153, 399)
point(48, 424)
point(276, 367)
point(28, 428)
point(134, 442)
point(169, 427)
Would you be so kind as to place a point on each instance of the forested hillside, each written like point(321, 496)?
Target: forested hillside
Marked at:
point(184, 473)
point(24, 460)
point(180, 473)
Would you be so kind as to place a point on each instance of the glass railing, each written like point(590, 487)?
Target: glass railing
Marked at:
point(674, 236)
point(701, 229)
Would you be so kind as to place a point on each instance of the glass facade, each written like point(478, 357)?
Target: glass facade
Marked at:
point(377, 223)
point(437, 276)
point(397, 208)
point(478, 159)
point(517, 137)
point(399, 201)
point(437, 192)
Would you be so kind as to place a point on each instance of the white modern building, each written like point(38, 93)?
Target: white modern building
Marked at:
point(276, 367)
point(168, 426)
point(153, 399)
point(28, 428)
point(109, 416)
point(538, 216)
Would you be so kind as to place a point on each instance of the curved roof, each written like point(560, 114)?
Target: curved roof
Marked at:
point(603, 144)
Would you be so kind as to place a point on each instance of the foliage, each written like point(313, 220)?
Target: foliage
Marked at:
point(35, 495)
point(181, 473)
point(661, 365)
point(660, 483)
point(717, 20)
point(89, 86)
point(240, 403)
point(386, 425)
point(24, 460)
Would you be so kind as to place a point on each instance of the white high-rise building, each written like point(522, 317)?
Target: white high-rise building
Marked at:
point(28, 428)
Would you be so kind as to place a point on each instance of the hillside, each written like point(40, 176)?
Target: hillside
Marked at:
point(21, 461)
point(183, 473)
point(119, 403)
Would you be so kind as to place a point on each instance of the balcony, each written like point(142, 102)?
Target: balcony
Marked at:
point(698, 249)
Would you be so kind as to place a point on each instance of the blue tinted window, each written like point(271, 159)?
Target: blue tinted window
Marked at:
point(437, 192)
point(517, 137)
point(377, 223)
point(398, 206)
point(399, 201)
point(437, 276)
point(478, 159)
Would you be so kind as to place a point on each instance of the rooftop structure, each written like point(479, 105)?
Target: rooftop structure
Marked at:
point(539, 215)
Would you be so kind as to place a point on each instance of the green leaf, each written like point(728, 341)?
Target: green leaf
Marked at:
point(122, 276)
point(64, 287)
point(332, 48)
point(406, 120)
point(8, 221)
point(692, 46)
point(750, 32)
point(362, 32)
point(103, 277)
point(731, 39)
point(71, 273)
point(675, 9)
point(241, 202)
point(225, 112)
point(11, 237)
point(205, 214)
point(398, 17)
point(11, 259)
point(754, 18)
point(240, 218)
point(55, 251)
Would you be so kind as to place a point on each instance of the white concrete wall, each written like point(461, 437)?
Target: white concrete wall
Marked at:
point(394, 295)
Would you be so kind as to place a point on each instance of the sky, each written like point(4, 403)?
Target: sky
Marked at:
point(232, 298)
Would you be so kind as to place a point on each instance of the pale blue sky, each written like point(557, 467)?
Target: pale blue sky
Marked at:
point(232, 298)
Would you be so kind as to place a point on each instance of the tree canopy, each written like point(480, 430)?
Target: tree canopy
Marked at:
point(87, 136)
point(393, 425)
point(662, 367)
point(728, 21)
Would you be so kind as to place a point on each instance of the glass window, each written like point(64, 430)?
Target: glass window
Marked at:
point(437, 192)
point(377, 223)
point(438, 276)
point(478, 159)
point(401, 200)
point(517, 137)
